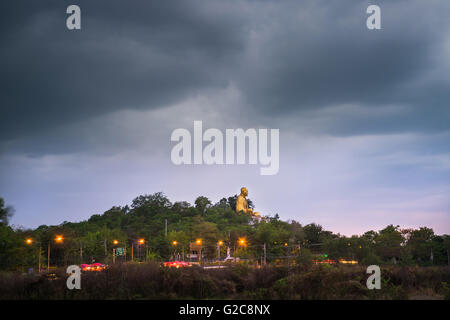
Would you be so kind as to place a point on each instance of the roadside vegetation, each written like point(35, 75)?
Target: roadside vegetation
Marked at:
point(151, 281)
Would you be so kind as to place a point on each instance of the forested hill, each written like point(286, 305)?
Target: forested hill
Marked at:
point(147, 216)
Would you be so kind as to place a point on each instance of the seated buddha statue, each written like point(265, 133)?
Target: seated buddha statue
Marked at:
point(242, 204)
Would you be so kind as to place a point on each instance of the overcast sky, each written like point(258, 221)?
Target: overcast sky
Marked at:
point(364, 115)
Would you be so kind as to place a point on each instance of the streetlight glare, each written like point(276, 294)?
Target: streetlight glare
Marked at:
point(59, 238)
point(115, 242)
point(220, 242)
point(29, 241)
point(242, 241)
point(174, 243)
point(141, 241)
point(199, 241)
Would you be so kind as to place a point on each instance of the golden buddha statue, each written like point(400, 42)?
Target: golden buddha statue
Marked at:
point(242, 204)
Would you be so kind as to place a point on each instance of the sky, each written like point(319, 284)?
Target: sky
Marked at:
point(86, 115)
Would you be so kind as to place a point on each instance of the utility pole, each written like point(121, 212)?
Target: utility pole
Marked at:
point(218, 252)
point(40, 250)
point(146, 251)
point(132, 257)
point(48, 257)
point(166, 226)
point(106, 252)
point(264, 253)
point(431, 255)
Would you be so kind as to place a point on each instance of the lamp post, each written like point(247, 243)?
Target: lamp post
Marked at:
point(140, 242)
point(199, 243)
point(174, 244)
point(115, 243)
point(29, 242)
point(58, 239)
point(219, 244)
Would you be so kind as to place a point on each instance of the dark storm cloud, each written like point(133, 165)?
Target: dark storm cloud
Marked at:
point(143, 54)
point(86, 116)
point(286, 58)
point(322, 55)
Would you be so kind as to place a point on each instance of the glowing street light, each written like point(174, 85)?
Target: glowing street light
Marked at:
point(59, 238)
point(198, 241)
point(141, 241)
point(219, 244)
point(116, 242)
point(285, 244)
point(29, 241)
point(242, 242)
point(174, 243)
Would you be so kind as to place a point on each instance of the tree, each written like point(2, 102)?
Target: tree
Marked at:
point(202, 203)
point(223, 204)
point(446, 238)
point(9, 241)
point(420, 243)
point(5, 212)
point(209, 233)
point(313, 233)
point(388, 243)
point(151, 202)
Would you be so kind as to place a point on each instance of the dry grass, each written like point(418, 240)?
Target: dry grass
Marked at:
point(150, 281)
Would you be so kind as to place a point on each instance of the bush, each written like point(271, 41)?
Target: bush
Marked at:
point(305, 257)
point(151, 281)
point(371, 259)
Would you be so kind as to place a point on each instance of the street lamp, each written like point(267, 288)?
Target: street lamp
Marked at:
point(140, 242)
point(242, 242)
point(58, 239)
point(199, 243)
point(29, 241)
point(174, 244)
point(115, 242)
point(219, 244)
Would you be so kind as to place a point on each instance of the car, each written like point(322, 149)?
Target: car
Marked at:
point(177, 264)
point(93, 267)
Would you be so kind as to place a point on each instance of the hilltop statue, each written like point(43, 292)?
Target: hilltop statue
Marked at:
point(242, 204)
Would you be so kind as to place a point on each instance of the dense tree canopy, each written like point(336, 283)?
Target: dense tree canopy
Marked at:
point(147, 216)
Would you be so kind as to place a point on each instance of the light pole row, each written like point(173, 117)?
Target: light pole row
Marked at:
point(58, 239)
